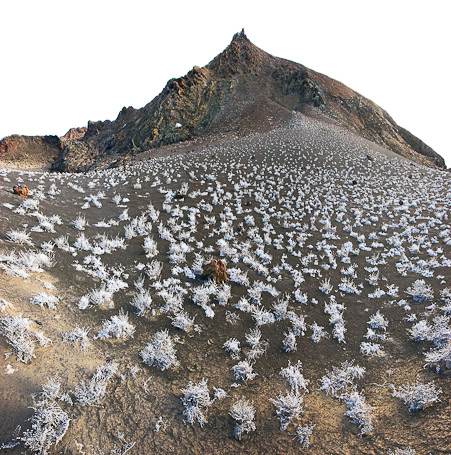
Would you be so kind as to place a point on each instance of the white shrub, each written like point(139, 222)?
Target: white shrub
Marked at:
point(392, 290)
point(377, 321)
point(420, 291)
point(92, 393)
point(281, 308)
point(303, 434)
point(440, 332)
point(198, 264)
point(243, 370)
point(101, 296)
point(150, 247)
point(298, 323)
point(20, 237)
point(232, 346)
point(439, 357)
point(295, 377)
point(243, 413)
point(49, 424)
point(42, 299)
point(116, 199)
point(244, 305)
point(62, 243)
point(347, 285)
point(224, 294)
point(339, 331)
point(370, 349)
point(377, 294)
point(160, 351)
point(288, 407)
point(325, 286)
point(82, 243)
point(196, 399)
point(373, 279)
point(16, 329)
point(373, 335)
point(183, 321)
point(340, 380)
point(318, 333)
point(153, 270)
point(142, 301)
point(124, 215)
point(83, 303)
point(129, 232)
point(117, 327)
point(219, 394)
point(173, 301)
point(78, 338)
point(4, 305)
point(417, 396)
point(258, 347)
point(238, 276)
point(262, 316)
point(289, 342)
point(360, 412)
point(406, 451)
point(80, 223)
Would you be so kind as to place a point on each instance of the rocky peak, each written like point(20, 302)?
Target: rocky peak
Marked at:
point(242, 90)
point(241, 38)
point(240, 56)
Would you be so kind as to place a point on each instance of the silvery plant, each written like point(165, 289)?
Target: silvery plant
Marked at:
point(49, 422)
point(16, 330)
point(92, 393)
point(196, 399)
point(243, 412)
point(418, 395)
point(160, 351)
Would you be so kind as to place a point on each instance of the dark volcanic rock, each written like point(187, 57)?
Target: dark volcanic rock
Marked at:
point(242, 90)
point(30, 151)
point(420, 147)
point(74, 133)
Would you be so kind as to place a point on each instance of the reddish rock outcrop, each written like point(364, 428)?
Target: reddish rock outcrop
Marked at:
point(30, 151)
point(74, 133)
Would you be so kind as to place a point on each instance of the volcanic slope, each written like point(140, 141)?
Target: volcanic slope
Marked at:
point(242, 90)
point(334, 324)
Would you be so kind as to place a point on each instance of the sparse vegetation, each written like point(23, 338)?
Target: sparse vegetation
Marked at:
point(329, 256)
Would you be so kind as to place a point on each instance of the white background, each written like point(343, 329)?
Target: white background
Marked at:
point(66, 62)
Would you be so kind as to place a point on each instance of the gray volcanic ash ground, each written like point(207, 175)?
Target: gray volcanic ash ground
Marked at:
point(332, 334)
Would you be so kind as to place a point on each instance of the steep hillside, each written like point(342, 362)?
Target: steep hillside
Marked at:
point(242, 90)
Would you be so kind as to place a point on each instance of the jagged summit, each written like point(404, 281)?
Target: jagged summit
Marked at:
point(241, 36)
point(241, 55)
point(242, 90)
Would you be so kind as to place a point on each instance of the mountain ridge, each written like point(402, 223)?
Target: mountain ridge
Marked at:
point(242, 90)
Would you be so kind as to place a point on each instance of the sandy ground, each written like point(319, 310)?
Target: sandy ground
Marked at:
point(326, 162)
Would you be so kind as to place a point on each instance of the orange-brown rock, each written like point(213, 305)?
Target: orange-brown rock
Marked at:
point(21, 190)
point(217, 271)
point(74, 133)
